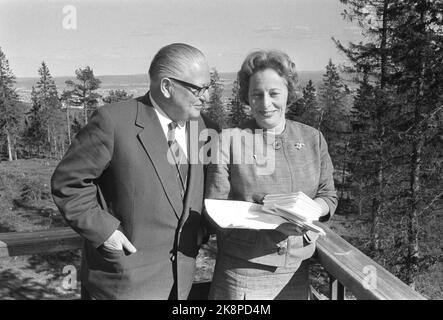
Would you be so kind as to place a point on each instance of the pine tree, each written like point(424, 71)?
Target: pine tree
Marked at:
point(47, 124)
point(10, 115)
point(295, 110)
point(417, 53)
point(82, 93)
point(363, 144)
point(403, 59)
point(305, 109)
point(215, 109)
point(238, 114)
point(333, 115)
point(311, 104)
point(372, 59)
point(36, 133)
point(45, 88)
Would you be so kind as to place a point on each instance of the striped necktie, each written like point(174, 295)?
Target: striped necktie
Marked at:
point(181, 162)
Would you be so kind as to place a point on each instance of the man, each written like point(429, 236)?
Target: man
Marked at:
point(137, 208)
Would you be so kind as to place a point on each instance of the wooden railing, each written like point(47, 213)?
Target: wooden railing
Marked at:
point(348, 267)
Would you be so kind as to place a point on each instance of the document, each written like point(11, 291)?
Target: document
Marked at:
point(276, 210)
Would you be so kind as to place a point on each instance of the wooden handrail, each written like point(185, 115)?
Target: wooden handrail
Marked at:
point(25, 243)
point(358, 273)
point(349, 266)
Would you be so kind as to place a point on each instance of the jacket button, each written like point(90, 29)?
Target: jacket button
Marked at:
point(282, 250)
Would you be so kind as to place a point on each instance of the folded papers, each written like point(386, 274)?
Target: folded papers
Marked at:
point(296, 208)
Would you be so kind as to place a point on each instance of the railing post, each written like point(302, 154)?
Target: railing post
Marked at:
point(336, 289)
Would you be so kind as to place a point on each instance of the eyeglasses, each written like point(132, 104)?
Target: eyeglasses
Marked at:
point(196, 90)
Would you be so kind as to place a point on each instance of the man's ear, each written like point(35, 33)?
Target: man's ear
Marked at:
point(166, 87)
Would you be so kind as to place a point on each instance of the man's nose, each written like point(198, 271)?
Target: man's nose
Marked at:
point(205, 96)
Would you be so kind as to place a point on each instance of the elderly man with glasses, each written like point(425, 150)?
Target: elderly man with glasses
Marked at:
point(139, 212)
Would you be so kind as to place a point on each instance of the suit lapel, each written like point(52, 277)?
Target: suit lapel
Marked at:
point(154, 143)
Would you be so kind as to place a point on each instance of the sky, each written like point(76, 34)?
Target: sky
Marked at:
point(121, 37)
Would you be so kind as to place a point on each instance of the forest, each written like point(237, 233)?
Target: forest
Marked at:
point(381, 113)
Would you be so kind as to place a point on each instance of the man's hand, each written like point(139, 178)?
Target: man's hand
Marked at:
point(118, 241)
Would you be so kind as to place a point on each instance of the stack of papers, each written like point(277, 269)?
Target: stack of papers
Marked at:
point(296, 208)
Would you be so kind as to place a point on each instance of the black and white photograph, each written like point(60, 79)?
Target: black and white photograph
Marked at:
point(221, 150)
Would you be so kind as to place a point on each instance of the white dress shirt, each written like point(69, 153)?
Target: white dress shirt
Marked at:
point(180, 131)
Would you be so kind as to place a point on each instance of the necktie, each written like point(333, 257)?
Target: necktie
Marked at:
point(181, 162)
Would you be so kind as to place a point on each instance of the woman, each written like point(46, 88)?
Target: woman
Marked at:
point(269, 264)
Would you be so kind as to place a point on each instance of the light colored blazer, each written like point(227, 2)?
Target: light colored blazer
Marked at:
point(302, 163)
point(116, 175)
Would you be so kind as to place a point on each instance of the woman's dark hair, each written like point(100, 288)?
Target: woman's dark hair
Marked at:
point(265, 59)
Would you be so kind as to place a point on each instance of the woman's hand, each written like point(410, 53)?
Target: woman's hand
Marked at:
point(258, 197)
point(290, 229)
point(324, 206)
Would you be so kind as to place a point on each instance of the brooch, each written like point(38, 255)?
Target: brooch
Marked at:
point(299, 145)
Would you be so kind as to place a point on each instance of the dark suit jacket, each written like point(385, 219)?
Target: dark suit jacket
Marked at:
point(116, 175)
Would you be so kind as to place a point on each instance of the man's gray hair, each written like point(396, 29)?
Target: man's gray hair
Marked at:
point(173, 60)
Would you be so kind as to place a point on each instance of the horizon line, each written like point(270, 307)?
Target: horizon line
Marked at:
point(134, 74)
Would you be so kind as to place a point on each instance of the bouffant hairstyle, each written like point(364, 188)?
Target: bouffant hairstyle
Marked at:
point(264, 59)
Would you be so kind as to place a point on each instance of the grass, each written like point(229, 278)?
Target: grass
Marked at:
point(26, 205)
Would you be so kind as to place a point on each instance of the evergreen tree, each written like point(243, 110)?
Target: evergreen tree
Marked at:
point(10, 115)
point(305, 109)
point(238, 114)
point(82, 92)
point(333, 116)
point(215, 109)
point(332, 95)
point(35, 135)
point(402, 61)
point(295, 110)
point(417, 53)
point(311, 104)
point(46, 89)
point(363, 144)
point(371, 60)
point(46, 130)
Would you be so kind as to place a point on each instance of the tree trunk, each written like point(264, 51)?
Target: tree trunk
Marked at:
point(360, 198)
point(375, 235)
point(55, 145)
point(344, 170)
point(14, 153)
point(417, 148)
point(62, 145)
point(8, 138)
point(68, 125)
point(378, 200)
point(413, 225)
point(85, 113)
